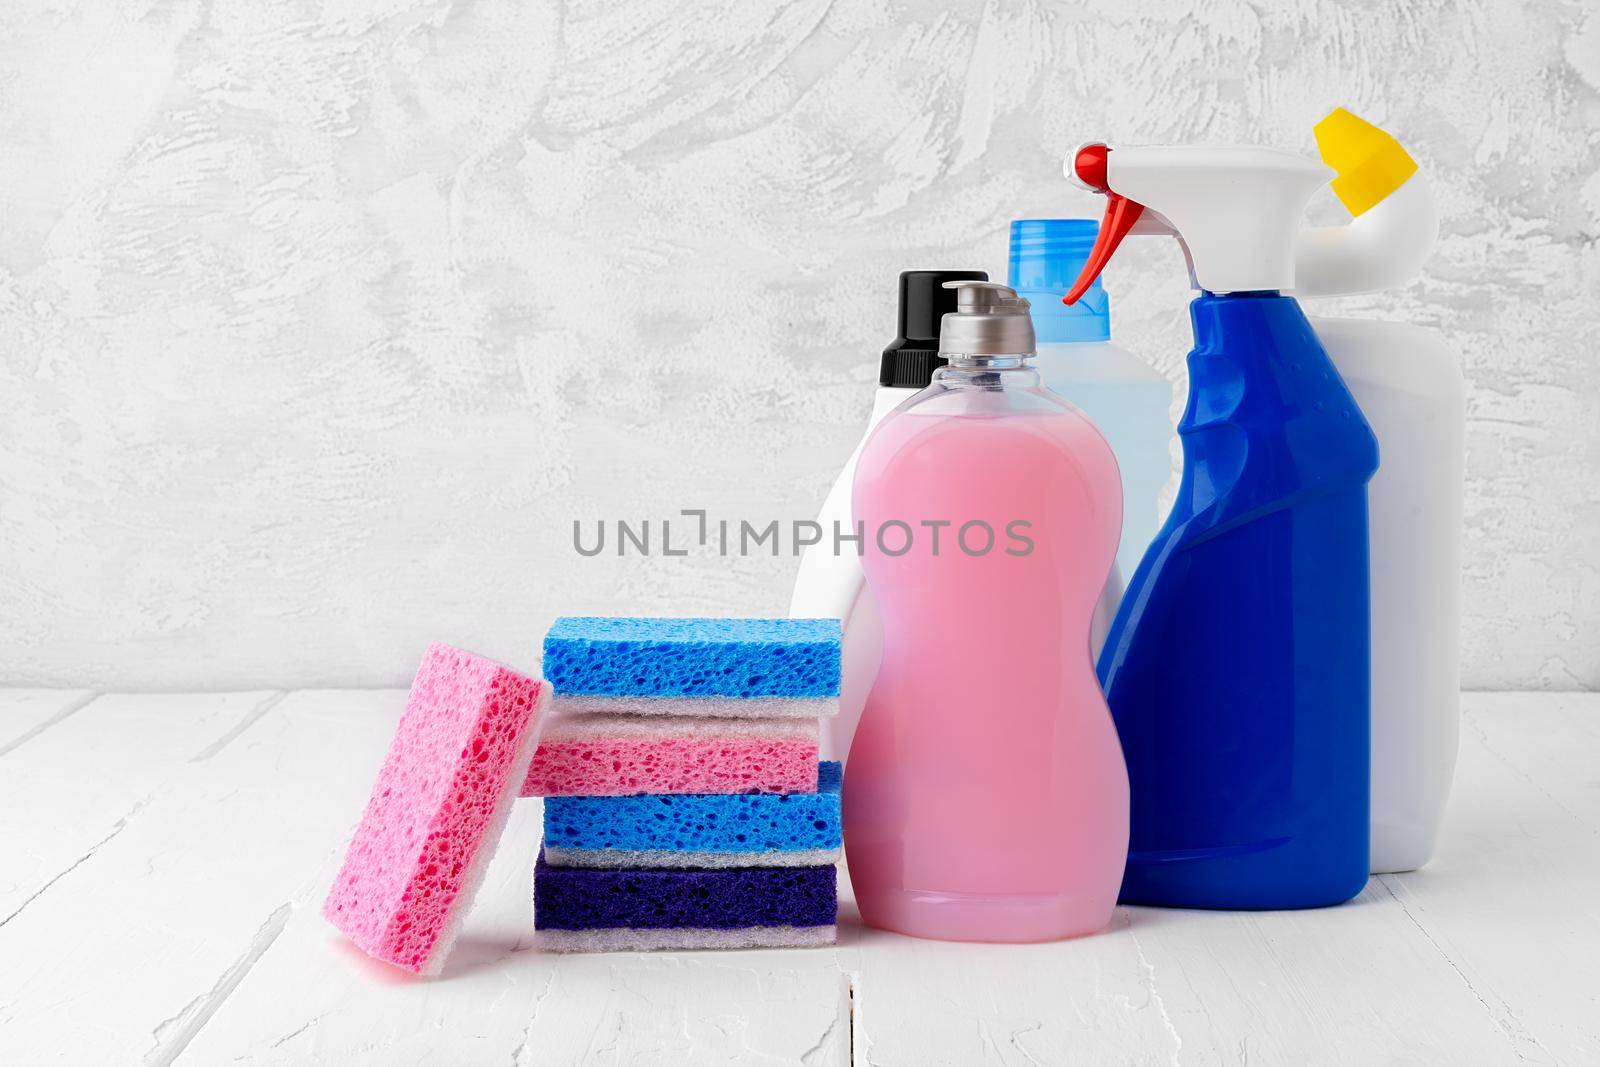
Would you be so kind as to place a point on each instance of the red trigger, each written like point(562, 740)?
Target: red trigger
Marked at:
point(1121, 214)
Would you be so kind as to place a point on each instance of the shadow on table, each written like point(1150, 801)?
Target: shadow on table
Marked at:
point(853, 932)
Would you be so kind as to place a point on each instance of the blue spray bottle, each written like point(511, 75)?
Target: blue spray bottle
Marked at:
point(1238, 666)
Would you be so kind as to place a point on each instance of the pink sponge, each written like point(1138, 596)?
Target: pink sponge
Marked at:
point(624, 755)
point(441, 800)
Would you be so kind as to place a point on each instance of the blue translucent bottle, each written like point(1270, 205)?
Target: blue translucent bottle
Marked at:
point(1238, 667)
point(1121, 393)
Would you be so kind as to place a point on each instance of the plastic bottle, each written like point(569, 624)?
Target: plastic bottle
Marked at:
point(1238, 667)
point(1121, 394)
point(985, 798)
point(830, 584)
point(1409, 385)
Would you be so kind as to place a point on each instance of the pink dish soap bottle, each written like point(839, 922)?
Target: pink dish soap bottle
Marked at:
point(986, 798)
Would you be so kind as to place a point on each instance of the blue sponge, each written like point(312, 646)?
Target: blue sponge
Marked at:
point(694, 657)
point(704, 830)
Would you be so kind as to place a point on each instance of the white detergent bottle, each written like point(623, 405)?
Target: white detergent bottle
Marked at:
point(1409, 385)
point(1122, 395)
point(831, 584)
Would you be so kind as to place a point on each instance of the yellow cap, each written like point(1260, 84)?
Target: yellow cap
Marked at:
point(1371, 163)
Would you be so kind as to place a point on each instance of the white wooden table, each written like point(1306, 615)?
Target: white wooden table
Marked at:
point(163, 857)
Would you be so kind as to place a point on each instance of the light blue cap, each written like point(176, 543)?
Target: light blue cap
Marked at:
point(1046, 258)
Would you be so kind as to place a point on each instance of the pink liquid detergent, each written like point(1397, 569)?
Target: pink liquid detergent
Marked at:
point(986, 797)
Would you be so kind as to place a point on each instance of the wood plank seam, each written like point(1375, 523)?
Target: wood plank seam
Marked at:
point(1469, 723)
point(523, 1053)
point(187, 1024)
point(122, 822)
point(248, 720)
point(61, 716)
point(819, 1049)
point(1515, 1032)
point(854, 979)
point(117, 828)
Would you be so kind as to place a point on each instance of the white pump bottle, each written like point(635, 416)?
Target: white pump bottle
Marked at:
point(1409, 385)
point(831, 584)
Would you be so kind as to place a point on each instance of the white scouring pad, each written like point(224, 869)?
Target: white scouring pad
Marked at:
point(685, 938)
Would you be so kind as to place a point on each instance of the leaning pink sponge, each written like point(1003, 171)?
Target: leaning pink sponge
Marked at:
point(460, 753)
point(625, 755)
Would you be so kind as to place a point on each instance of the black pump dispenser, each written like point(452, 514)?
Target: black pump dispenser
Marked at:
point(911, 359)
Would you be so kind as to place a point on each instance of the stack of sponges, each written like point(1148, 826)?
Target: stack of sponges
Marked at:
point(685, 806)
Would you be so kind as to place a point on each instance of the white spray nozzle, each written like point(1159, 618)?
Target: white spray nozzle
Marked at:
point(1235, 210)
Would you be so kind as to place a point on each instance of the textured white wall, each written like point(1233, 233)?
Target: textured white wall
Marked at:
point(320, 323)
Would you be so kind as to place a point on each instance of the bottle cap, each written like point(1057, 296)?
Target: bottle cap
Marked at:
point(990, 319)
point(1370, 162)
point(911, 359)
point(1047, 255)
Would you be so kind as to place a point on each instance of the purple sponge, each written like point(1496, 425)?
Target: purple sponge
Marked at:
point(643, 901)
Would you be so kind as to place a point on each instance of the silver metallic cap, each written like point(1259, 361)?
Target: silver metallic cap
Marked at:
point(990, 320)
